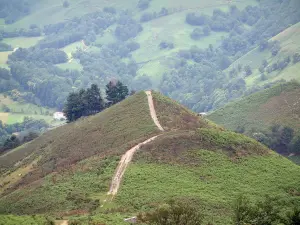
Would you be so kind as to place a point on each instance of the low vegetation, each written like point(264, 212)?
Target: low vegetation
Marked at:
point(25, 220)
point(211, 179)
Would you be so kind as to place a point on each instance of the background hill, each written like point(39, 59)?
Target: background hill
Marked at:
point(262, 112)
point(147, 44)
point(67, 171)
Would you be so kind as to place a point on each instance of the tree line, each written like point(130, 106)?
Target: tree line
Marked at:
point(27, 130)
point(89, 101)
point(268, 211)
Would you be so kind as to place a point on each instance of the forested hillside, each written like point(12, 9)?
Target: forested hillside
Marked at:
point(184, 50)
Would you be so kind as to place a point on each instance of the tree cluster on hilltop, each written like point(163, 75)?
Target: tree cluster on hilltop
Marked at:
point(89, 102)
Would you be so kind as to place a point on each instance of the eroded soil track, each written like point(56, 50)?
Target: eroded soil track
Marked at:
point(127, 157)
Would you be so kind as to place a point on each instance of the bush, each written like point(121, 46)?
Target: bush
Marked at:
point(143, 4)
point(295, 145)
point(66, 4)
point(166, 45)
point(175, 213)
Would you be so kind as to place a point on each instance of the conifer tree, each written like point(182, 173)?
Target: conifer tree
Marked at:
point(115, 92)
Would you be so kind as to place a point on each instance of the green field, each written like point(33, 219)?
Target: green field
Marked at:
point(22, 42)
point(19, 110)
point(4, 58)
point(289, 42)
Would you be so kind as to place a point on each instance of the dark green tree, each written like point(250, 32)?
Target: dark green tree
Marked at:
point(66, 4)
point(115, 92)
point(93, 102)
point(74, 108)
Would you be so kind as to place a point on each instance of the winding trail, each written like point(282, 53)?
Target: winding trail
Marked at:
point(127, 157)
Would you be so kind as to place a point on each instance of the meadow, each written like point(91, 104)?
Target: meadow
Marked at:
point(18, 110)
point(289, 42)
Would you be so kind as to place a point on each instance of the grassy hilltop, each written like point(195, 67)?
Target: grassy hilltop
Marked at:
point(67, 171)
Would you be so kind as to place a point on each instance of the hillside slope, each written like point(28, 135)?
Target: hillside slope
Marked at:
point(271, 116)
point(289, 45)
point(83, 145)
point(69, 170)
point(277, 105)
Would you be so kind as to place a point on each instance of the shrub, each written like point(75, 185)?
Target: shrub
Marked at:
point(174, 213)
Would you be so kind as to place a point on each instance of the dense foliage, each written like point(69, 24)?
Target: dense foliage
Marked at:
point(13, 135)
point(13, 10)
point(196, 77)
point(206, 86)
point(89, 102)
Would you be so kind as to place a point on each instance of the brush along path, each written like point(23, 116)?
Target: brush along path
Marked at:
point(127, 157)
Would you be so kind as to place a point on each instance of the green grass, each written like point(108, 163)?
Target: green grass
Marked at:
point(289, 42)
point(215, 181)
point(64, 192)
point(73, 65)
point(4, 58)
point(278, 104)
point(22, 42)
point(110, 132)
point(18, 118)
point(18, 110)
point(174, 116)
point(24, 220)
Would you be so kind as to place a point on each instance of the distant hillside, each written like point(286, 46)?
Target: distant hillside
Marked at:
point(279, 104)
point(289, 46)
point(68, 170)
point(180, 49)
point(258, 112)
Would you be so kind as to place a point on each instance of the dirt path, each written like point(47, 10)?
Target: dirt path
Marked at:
point(127, 157)
point(125, 160)
point(61, 222)
point(152, 111)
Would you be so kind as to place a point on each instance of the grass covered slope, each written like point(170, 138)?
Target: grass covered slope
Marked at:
point(79, 159)
point(174, 116)
point(192, 159)
point(289, 42)
point(112, 131)
point(208, 167)
point(277, 105)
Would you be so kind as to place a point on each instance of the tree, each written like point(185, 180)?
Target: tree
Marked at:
point(93, 101)
point(295, 145)
point(143, 4)
point(262, 213)
point(263, 45)
point(174, 213)
point(248, 70)
point(74, 107)
point(5, 74)
point(296, 58)
point(115, 92)
point(66, 4)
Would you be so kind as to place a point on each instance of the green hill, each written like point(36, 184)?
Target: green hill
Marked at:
point(289, 42)
point(278, 105)
point(67, 171)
